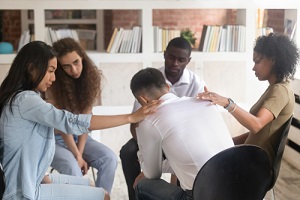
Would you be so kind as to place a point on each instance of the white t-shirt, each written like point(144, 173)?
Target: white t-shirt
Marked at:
point(189, 131)
point(188, 85)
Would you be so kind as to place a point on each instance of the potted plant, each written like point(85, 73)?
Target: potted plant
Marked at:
point(189, 36)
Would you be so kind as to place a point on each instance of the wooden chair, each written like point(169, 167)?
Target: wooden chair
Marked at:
point(239, 172)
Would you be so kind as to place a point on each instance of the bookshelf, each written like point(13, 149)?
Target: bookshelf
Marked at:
point(203, 63)
point(89, 22)
point(228, 73)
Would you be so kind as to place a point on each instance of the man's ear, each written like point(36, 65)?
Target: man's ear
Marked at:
point(189, 60)
point(168, 87)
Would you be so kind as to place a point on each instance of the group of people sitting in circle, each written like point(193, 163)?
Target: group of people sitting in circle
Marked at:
point(46, 103)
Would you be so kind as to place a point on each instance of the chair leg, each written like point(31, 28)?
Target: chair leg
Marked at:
point(94, 176)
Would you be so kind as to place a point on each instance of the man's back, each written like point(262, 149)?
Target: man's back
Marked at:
point(188, 131)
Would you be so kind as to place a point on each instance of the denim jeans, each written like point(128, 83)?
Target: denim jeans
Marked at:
point(148, 189)
point(69, 188)
point(97, 155)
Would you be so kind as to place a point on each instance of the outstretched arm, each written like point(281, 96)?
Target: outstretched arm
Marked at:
point(103, 122)
point(253, 123)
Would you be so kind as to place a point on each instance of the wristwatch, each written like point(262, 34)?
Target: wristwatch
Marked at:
point(231, 102)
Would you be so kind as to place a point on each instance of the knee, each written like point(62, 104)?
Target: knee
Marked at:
point(139, 188)
point(129, 150)
point(108, 161)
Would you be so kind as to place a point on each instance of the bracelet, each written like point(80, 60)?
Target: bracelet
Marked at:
point(231, 102)
point(234, 108)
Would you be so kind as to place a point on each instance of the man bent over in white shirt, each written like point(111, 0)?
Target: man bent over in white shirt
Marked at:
point(186, 130)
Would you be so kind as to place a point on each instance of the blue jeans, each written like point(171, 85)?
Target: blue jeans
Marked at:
point(96, 155)
point(69, 188)
point(154, 189)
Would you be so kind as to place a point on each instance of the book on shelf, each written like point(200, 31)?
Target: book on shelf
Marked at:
point(224, 38)
point(204, 29)
point(52, 35)
point(206, 39)
point(125, 40)
point(161, 37)
point(24, 39)
point(289, 28)
point(112, 40)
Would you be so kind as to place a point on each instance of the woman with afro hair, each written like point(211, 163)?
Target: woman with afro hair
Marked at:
point(275, 60)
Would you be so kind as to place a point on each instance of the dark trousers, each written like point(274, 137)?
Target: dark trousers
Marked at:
point(130, 165)
point(158, 189)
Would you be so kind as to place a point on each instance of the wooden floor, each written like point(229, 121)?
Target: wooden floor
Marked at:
point(287, 186)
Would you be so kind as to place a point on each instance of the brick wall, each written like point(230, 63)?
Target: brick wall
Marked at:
point(192, 19)
point(275, 19)
point(119, 18)
point(11, 27)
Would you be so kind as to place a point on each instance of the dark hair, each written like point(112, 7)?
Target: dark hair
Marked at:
point(180, 42)
point(75, 95)
point(284, 52)
point(32, 58)
point(146, 80)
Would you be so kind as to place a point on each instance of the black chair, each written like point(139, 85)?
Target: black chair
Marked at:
point(2, 182)
point(239, 172)
point(280, 144)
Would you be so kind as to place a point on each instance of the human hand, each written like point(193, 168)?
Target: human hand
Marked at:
point(82, 165)
point(147, 109)
point(46, 180)
point(138, 178)
point(106, 196)
point(213, 97)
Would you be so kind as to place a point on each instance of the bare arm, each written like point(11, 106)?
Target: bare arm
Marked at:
point(81, 142)
point(253, 123)
point(103, 122)
point(82, 138)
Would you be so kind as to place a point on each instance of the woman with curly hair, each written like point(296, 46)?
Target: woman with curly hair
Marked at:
point(275, 60)
point(76, 89)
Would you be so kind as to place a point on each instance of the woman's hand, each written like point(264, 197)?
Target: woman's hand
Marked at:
point(82, 165)
point(213, 97)
point(46, 179)
point(147, 109)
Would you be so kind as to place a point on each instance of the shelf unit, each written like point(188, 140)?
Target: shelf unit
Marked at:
point(229, 73)
point(246, 12)
point(246, 15)
point(94, 23)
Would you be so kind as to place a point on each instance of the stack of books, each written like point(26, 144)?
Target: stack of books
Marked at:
point(223, 38)
point(161, 37)
point(125, 40)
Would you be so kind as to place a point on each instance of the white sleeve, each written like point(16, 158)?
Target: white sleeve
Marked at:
point(200, 84)
point(150, 150)
point(166, 168)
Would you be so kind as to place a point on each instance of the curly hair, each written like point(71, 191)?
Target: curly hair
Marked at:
point(75, 95)
point(282, 50)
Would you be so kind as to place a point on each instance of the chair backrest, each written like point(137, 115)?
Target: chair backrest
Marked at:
point(2, 182)
point(239, 172)
point(280, 144)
